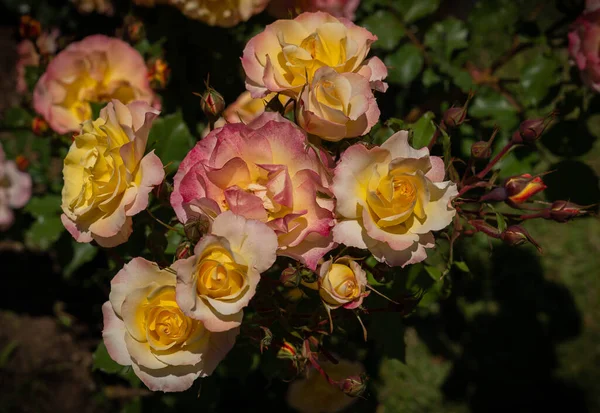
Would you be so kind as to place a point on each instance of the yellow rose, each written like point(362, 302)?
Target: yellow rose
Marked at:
point(96, 69)
point(342, 283)
point(107, 178)
point(223, 13)
point(390, 198)
point(145, 328)
point(218, 281)
point(286, 55)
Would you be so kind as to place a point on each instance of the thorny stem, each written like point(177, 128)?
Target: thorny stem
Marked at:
point(169, 227)
point(434, 137)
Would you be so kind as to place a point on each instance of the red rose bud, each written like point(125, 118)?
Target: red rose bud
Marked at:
point(481, 150)
point(29, 28)
point(22, 163)
point(531, 130)
point(158, 73)
point(212, 103)
point(495, 195)
point(454, 116)
point(287, 351)
point(517, 235)
point(290, 277)
point(135, 28)
point(520, 188)
point(562, 211)
point(39, 126)
point(482, 226)
point(354, 386)
point(184, 250)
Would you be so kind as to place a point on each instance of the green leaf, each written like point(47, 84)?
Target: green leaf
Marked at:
point(499, 218)
point(461, 265)
point(434, 272)
point(430, 78)
point(447, 36)
point(96, 108)
point(16, 117)
point(489, 104)
point(537, 77)
point(82, 252)
point(405, 64)
point(413, 10)
point(396, 124)
point(386, 27)
point(423, 131)
point(47, 227)
point(171, 139)
point(103, 362)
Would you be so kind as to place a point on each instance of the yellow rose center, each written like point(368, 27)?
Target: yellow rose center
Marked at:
point(327, 46)
point(218, 275)
point(343, 281)
point(87, 88)
point(404, 193)
point(165, 323)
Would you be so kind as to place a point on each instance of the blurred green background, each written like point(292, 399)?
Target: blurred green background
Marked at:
point(517, 332)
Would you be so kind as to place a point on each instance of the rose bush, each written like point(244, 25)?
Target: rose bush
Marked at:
point(144, 328)
point(390, 198)
point(107, 178)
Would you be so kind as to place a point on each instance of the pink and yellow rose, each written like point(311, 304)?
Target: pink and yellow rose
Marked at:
point(218, 281)
point(342, 283)
point(390, 198)
point(145, 328)
point(96, 69)
point(15, 190)
point(283, 9)
point(286, 55)
point(337, 105)
point(263, 171)
point(107, 178)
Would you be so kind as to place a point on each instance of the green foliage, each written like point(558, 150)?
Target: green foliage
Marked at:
point(423, 130)
point(405, 64)
point(413, 10)
point(171, 139)
point(387, 27)
point(47, 227)
point(446, 36)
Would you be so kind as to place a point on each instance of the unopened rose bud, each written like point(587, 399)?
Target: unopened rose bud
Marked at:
point(354, 386)
point(39, 126)
point(212, 103)
point(30, 28)
point(135, 28)
point(455, 117)
point(482, 226)
point(290, 277)
point(481, 150)
point(184, 250)
point(294, 294)
point(531, 130)
point(562, 211)
point(287, 351)
point(520, 188)
point(158, 73)
point(495, 195)
point(308, 276)
point(22, 163)
point(196, 227)
point(517, 235)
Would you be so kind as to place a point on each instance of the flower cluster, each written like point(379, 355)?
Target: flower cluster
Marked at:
point(15, 190)
point(258, 184)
